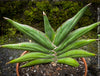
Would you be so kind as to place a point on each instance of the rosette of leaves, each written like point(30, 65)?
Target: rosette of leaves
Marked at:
point(60, 46)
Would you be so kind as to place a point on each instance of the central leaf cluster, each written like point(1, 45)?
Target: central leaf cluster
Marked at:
point(56, 47)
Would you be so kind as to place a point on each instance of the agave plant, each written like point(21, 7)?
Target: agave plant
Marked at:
point(61, 46)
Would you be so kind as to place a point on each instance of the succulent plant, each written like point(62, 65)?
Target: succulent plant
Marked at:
point(61, 46)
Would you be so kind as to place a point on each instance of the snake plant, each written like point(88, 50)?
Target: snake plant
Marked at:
point(60, 46)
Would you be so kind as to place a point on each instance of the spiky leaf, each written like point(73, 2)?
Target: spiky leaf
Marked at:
point(30, 56)
point(67, 26)
point(76, 53)
point(76, 34)
point(77, 44)
point(48, 29)
point(69, 61)
point(27, 46)
point(36, 35)
point(37, 61)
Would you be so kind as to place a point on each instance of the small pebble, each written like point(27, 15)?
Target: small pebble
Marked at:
point(28, 69)
point(71, 74)
point(61, 64)
point(34, 70)
point(76, 69)
point(41, 71)
point(44, 74)
point(58, 73)
point(27, 74)
point(66, 65)
point(10, 58)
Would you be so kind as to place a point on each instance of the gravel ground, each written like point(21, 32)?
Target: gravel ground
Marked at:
point(93, 66)
point(7, 55)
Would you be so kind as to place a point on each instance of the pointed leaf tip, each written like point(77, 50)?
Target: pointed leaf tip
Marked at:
point(8, 63)
point(98, 35)
point(97, 39)
point(5, 18)
point(49, 31)
point(68, 25)
point(44, 13)
point(89, 4)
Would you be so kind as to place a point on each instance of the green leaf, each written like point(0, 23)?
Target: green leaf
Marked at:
point(37, 61)
point(77, 44)
point(48, 29)
point(36, 35)
point(27, 46)
point(67, 26)
point(30, 56)
point(73, 36)
point(76, 53)
point(98, 35)
point(69, 61)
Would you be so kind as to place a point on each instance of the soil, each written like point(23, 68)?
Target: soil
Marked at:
point(49, 70)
